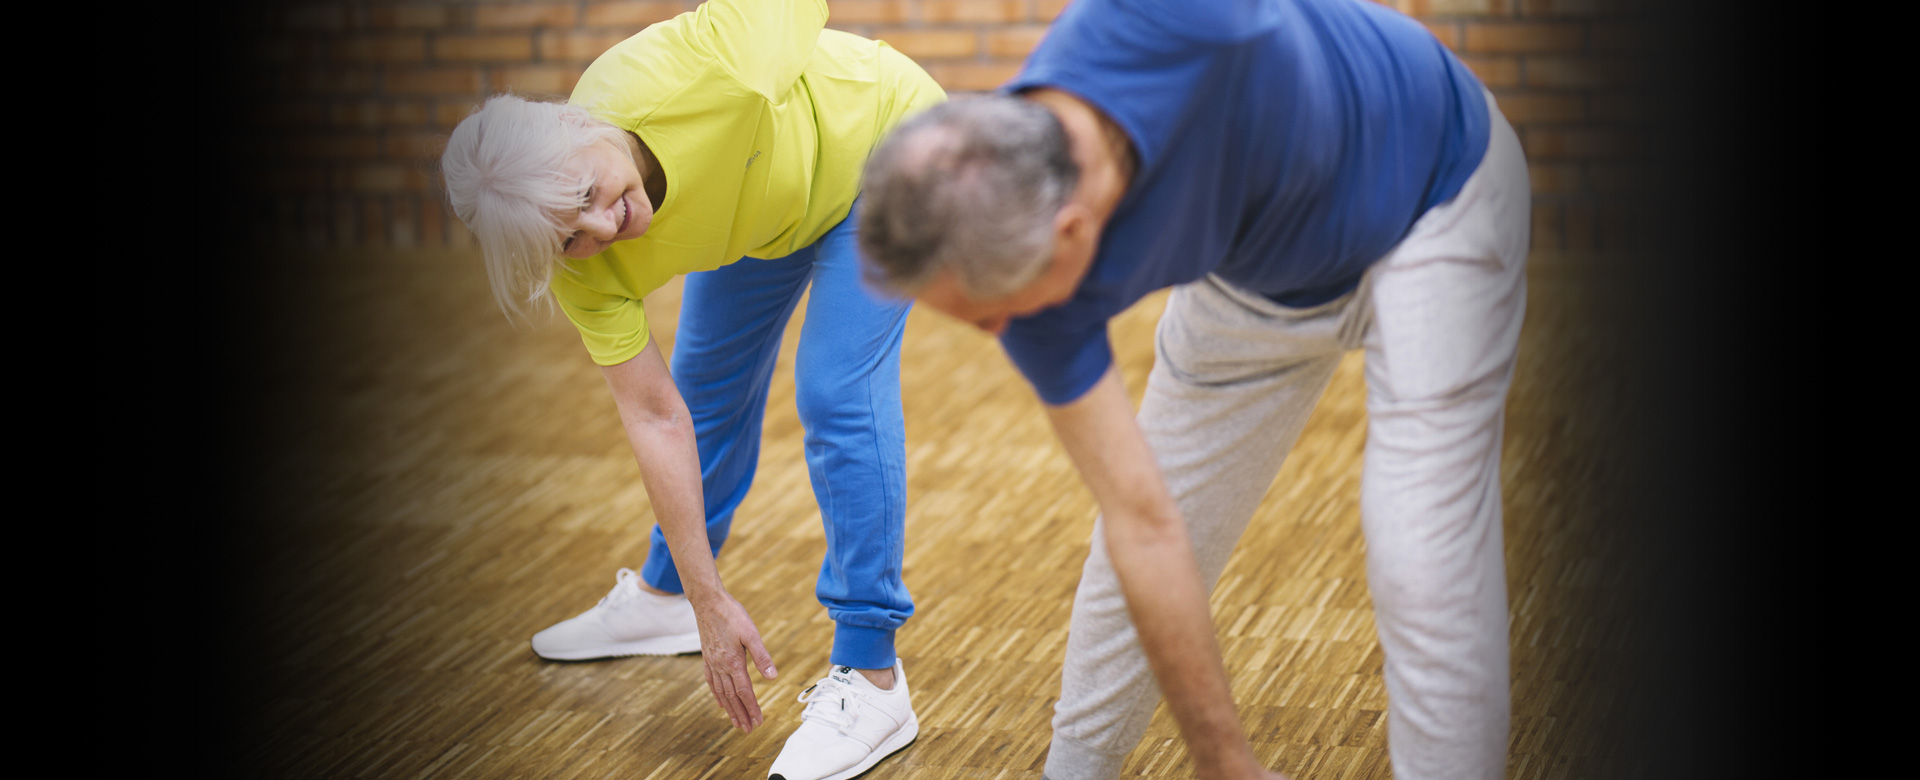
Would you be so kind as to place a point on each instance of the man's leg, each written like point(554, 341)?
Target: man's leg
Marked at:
point(1235, 378)
point(731, 319)
point(1447, 306)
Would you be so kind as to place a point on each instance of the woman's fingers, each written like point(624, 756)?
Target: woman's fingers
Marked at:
point(733, 643)
point(722, 696)
point(743, 695)
point(733, 690)
point(733, 667)
point(762, 659)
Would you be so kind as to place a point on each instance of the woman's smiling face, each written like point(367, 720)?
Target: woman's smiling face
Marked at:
point(614, 205)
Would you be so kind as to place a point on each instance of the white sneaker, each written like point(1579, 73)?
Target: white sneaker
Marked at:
point(847, 727)
point(629, 621)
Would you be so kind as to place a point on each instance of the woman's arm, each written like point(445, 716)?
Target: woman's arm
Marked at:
point(661, 432)
point(1153, 559)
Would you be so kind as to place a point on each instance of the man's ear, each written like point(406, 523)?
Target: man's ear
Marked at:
point(1076, 235)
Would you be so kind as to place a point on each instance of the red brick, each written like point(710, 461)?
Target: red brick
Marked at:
point(1551, 178)
point(1617, 226)
point(432, 223)
point(333, 146)
point(1545, 143)
point(1537, 108)
point(1623, 36)
point(273, 82)
point(576, 46)
point(1577, 229)
point(373, 222)
point(1583, 72)
point(346, 228)
point(333, 79)
point(1560, 7)
point(483, 48)
point(314, 221)
point(316, 16)
point(1619, 107)
point(1015, 42)
point(1448, 33)
point(1494, 70)
point(1525, 37)
point(1425, 8)
point(409, 16)
point(1620, 178)
point(1048, 10)
point(415, 145)
point(448, 113)
point(400, 48)
point(372, 114)
point(631, 15)
point(519, 17)
point(972, 76)
point(258, 148)
point(380, 178)
point(406, 228)
point(537, 80)
point(294, 178)
point(933, 44)
point(283, 50)
point(1546, 226)
point(433, 81)
point(266, 223)
point(304, 113)
point(866, 11)
point(990, 11)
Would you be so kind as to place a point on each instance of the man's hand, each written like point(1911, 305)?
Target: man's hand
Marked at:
point(728, 640)
point(1147, 541)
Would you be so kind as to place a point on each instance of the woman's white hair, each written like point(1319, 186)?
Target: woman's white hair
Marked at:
point(509, 179)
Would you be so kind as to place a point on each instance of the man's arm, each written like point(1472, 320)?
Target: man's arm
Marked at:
point(1153, 559)
point(661, 433)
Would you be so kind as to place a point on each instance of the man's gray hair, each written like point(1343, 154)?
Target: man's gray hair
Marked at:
point(971, 186)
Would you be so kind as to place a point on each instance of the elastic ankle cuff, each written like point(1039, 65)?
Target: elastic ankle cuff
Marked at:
point(862, 648)
point(1070, 760)
point(659, 573)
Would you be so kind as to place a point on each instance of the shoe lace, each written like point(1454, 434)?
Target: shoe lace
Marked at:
point(833, 703)
point(621, 593)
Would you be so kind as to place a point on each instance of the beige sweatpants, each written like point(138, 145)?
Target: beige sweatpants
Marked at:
point(1235, 379)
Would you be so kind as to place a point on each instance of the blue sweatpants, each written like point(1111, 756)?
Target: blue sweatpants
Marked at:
point(848, 383)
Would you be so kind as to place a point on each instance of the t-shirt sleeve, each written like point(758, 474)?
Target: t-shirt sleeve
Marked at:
point(1214, 21)
point(613, 327)
point(1061, 365)
point(763, 44)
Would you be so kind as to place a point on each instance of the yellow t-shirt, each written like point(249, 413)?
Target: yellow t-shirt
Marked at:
point(761, 119)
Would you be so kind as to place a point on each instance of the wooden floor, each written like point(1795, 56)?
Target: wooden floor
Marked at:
point(444, 484)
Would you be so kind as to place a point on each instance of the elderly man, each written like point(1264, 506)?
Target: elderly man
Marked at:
point(1310, 176)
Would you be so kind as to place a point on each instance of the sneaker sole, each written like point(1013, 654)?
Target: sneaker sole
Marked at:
point(680, 644)
point(894, 744)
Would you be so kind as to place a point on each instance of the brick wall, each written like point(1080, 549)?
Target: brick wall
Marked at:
point(347, 101)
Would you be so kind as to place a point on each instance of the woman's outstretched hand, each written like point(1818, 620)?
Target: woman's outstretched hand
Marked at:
point(728, 643)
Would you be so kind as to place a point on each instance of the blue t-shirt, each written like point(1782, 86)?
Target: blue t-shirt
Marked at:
point(1283, 144)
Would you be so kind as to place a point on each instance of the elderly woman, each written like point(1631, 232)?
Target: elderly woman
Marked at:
point(737, 130)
